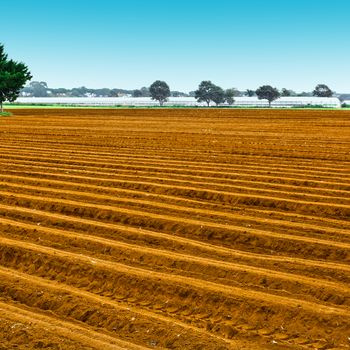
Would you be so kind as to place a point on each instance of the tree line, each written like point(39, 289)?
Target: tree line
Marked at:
point(14, 75)
point(41, 89)
point(208, 92)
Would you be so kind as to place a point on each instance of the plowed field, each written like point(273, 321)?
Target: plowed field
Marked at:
point(175, 229)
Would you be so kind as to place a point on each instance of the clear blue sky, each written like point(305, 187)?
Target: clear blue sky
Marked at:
point(130, 43)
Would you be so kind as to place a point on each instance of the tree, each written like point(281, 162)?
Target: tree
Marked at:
point(250, 93)
point(145, 92)
point(137, 93)
point(267, 92)
point(103, 92)
point(305, 94)
point(205, 92)
point(286, 92)
point(229, 96)
point(178, 94)
point(13, 76)
point(160, 91)
point(218, 95)
point(322, 90)
point(59, 92)
point(39, 88)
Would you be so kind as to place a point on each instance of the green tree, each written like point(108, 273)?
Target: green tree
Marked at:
point(39, 88)
point(13, 76)
point(286, 92)
point(204, 93)
point(159, 91)
point(250, 93)
point(137, 93)
point(322, 90)
point(267, 92)
point(145, 92)
point(59, 92)
point(305, 94)
point(178, 94)
point(218, 95)
point(229, 96)
point(103, 92)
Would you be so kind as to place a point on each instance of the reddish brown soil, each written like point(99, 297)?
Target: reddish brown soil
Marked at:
point(175, 229)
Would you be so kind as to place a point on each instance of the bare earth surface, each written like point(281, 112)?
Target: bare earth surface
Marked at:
point(175, 229)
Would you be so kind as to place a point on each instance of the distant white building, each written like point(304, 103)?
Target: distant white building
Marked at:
point(285, 102)
point(331, 102)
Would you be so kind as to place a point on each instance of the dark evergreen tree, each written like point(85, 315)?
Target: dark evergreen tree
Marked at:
point(13, 76)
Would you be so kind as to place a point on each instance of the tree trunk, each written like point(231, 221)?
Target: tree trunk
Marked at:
point(269, 104)
point(208, 103)
point(161, 103)
point(2, 110)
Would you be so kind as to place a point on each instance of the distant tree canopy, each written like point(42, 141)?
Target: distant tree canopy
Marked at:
point(39, 88)
point(305, 94)
point(13, 76)
point(159, 91)
point(178, 94)
point(286, 92)
point(229, 96)
point(322, 90)
point(267, 92)
point(218, 95)
point(137, 93)
point(250, 93)
point(204, 93)
point(145, 92)
point(207, 92)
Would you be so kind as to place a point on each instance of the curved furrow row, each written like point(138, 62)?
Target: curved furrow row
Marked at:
point(295, 149)
point(244, 182)
point(244, 238)
point(22, 325)
point(303, 206)
point(101, 313)
point(237, 150)
point(184, 169)
point(269, 281)
point(169, 242)
point(92, 154)
point(221, 176)
point(169, 294)
point(112, 179)
point(117, 196)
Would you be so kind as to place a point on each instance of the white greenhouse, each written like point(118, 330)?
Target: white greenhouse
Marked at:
point(331, 102)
